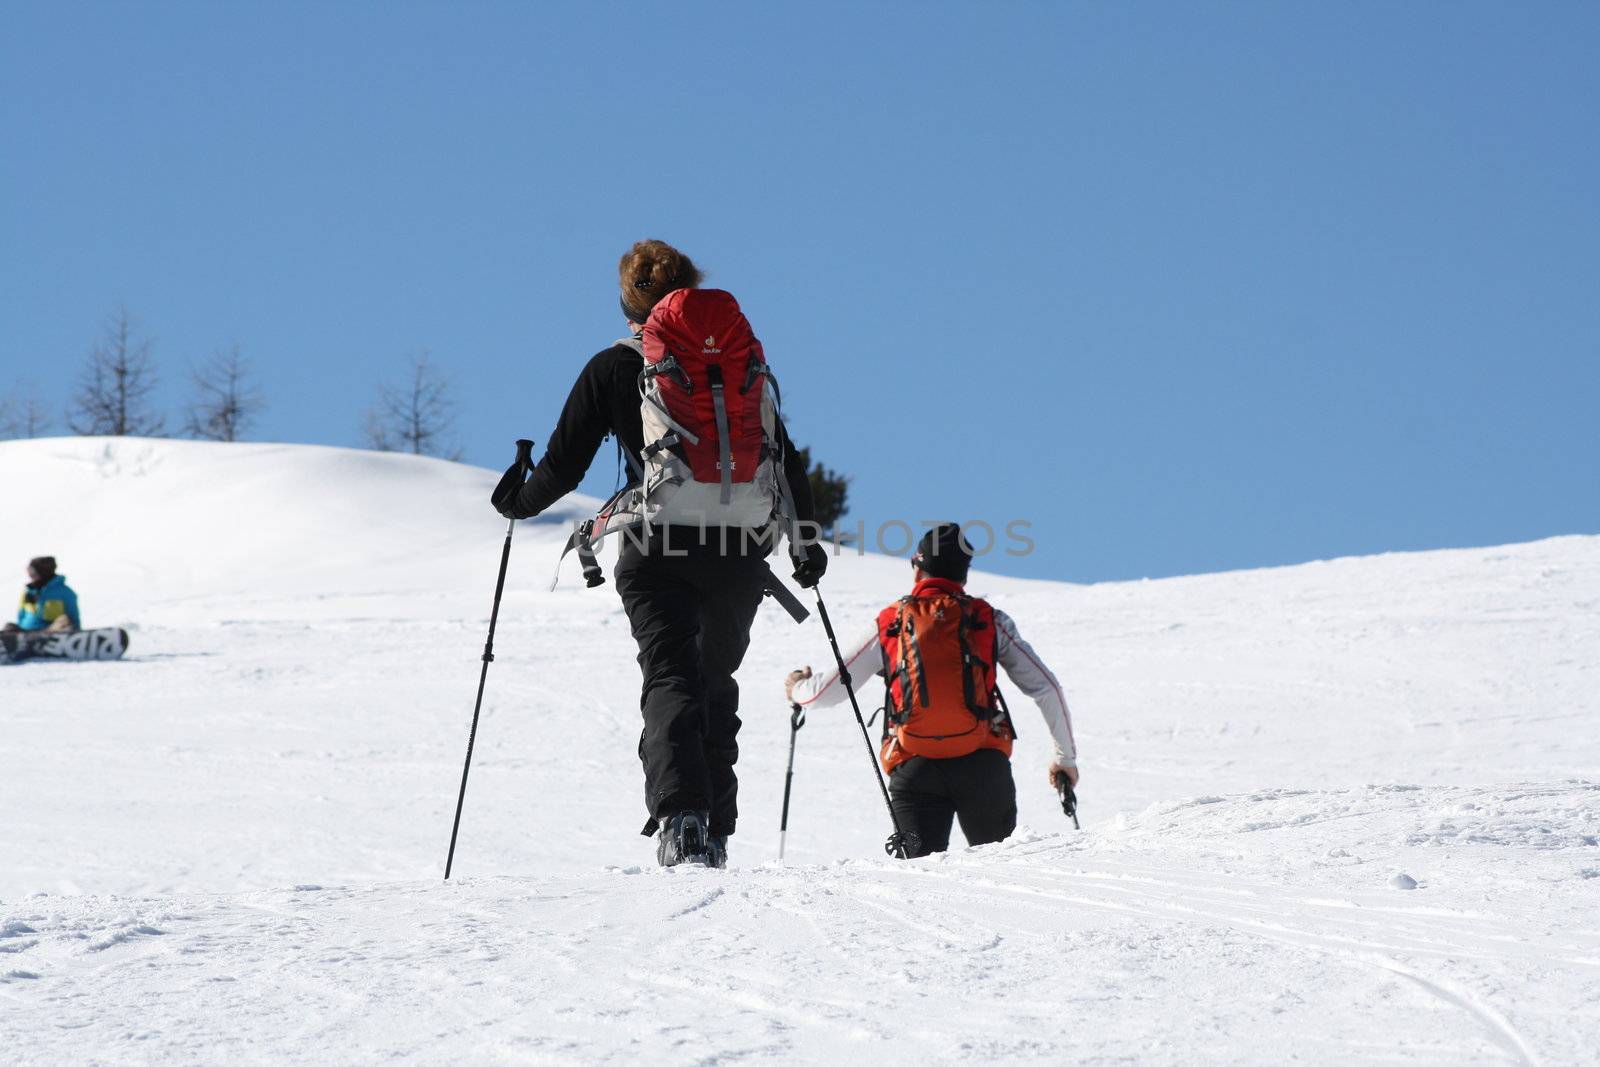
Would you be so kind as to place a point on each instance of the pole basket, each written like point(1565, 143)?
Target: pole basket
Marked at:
point(903, 844)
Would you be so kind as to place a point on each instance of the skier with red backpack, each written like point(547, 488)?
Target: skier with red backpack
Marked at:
point(713, 479)
point(947, 733)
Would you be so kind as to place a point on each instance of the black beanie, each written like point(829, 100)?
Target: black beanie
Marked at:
point(44, 565)
point(944, 552)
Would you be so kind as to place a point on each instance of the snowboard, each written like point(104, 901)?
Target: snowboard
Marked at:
point(18, 645)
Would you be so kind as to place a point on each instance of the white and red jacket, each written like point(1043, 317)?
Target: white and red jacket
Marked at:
point(1021, 663)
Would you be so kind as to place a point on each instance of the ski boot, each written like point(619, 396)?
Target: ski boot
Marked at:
point(684, 839)
point(718, 851)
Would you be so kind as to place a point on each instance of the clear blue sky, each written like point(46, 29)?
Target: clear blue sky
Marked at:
point(1190, 287)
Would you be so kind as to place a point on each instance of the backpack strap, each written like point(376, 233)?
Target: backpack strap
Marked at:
point(908, 668)
point(911, 648)
point(724, 450)
point(651, 449)
point(1004, 719)
point(788, 517)
point(775, 589)
point(636, 467)
point(970, 660)
point(755, 369)
point(579, 541)
point(672, 369)
point(647, 397)
point(583, 540)
point(896, 711)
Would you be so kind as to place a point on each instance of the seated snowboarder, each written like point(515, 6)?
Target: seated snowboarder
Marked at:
point(947, 735)
point(47, 602)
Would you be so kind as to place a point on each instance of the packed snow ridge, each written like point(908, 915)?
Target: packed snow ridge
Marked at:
point(1343, 811)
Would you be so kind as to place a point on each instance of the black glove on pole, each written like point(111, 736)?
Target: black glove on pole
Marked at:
point(517, 474)
point(810, 566)
point(901, 845)
point(797, 719)
point(1069, 799)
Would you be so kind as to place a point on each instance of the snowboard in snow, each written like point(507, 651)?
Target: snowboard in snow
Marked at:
point(109, 643)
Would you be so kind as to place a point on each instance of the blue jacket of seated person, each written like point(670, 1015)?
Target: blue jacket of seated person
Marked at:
point(41, 607)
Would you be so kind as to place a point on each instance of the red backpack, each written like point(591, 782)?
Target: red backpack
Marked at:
point(943, 696)
point(709, 407)
point(710, 410)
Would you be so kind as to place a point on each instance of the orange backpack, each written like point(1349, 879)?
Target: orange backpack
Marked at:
point(943, 699)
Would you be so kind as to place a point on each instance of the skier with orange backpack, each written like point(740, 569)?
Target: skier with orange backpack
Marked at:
point(947, 733)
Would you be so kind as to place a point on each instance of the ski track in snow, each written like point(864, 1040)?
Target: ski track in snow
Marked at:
point(227, 847)
point(1069, 950)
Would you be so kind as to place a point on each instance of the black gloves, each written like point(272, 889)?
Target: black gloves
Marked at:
point(504, 497)
point(809, 571)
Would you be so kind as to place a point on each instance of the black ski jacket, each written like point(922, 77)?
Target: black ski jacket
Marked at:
point(604, 402)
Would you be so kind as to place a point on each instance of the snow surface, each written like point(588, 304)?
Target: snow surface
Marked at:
point(1342, 811)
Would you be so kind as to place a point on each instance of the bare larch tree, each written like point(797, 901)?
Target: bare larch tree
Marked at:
point(116, 385)
point(415, 418)
point(225, 401)
point(23, 414)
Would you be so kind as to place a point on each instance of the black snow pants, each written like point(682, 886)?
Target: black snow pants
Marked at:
point(690, 601)
point(978, 789)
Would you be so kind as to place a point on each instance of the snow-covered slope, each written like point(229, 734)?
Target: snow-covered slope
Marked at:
point(227, 847)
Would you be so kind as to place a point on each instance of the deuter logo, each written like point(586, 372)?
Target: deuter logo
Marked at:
point(711, 348)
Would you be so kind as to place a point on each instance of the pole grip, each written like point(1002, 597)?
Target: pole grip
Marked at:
point(510, 485)
point(1069, 798)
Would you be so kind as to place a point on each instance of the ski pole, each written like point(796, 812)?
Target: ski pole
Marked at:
point(512, 479)
point(901, 844)
point(797, 719)
point(1069, 799)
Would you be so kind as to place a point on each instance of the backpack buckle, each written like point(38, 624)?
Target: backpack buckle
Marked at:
point(754, 370)
point(672, 369)
point(658, 447)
